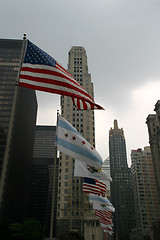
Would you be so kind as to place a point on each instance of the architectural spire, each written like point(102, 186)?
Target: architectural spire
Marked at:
point(115, 124)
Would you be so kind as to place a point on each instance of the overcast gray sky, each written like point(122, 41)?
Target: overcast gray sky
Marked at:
point(122, 42)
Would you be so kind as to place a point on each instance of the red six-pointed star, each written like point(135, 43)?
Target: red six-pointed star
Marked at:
point(83, 142)
point(92, 148)
point(73, 138)
point(66, 135)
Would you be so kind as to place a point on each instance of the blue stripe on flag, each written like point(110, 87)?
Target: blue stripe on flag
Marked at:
point(77, 149)
point(103, 201)
point(67, 126)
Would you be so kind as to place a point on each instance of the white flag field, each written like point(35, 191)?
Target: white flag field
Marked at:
point(71, 142)
point(98, 206)
point(82, 169)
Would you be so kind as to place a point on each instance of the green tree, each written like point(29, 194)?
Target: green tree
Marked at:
point(16, 230)
point(31, 229)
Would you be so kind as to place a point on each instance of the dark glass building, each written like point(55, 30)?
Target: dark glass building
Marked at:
point(18, 109)
point(41, 189)
point(121, 188)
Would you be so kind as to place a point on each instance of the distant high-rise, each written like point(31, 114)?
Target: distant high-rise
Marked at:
point(121, 190)
point(153, 123)
point(147, 209)
point(18, 109)
point(41, 191)
point(106, 168)
point(74, 211)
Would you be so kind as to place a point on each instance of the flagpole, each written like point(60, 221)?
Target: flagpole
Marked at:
point(54, 181)
point(92, 223)
point(70, 221)
point(81, 210)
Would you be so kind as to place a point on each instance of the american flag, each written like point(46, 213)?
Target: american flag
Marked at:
point(103, 214)
point(106, 221)
point(94, 186)
point(107, 229)
point(42, 72)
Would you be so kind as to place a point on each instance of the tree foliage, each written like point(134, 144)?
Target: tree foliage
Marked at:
point(16, 230)
point(31, 229)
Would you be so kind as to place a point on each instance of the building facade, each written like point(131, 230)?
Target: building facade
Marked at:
point(106, 168)
point(147, 209)
point(73, 206)
point(18, 109)
point(41, 189)
point(121, 188)
point(153, 123)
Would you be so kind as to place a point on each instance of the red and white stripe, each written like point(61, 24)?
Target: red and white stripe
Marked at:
point(103, 214)
point(81, 104)
point(107, 228)
point(55, 80)
point(99, 188)
point(106, 221)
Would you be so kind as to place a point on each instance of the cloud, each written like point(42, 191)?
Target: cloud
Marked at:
point(121, 39)
point(48, 104)
point(132, 120)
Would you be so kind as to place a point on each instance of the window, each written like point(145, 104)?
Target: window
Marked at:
point(65, 198)
point(66, 184)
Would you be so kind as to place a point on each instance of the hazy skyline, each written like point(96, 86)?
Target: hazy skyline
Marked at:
point(122, 42)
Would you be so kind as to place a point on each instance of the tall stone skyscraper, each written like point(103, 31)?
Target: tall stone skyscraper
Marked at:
point(153, 123)
point(41, 190)
point(18, 109)
point(106, 168)
point(73, 206)
point(147, 209)
point(121, 189)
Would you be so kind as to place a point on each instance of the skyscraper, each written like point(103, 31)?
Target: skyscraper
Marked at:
point(153, 123)
point(18, 109)
point(73, 206)
point(41, 190)
point(145, 193)
point(106, 168)
point(121, 191)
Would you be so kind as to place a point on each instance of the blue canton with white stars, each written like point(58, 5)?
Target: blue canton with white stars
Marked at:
point(35, 55)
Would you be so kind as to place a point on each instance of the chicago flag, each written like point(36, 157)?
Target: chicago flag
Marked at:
point(71, 142)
